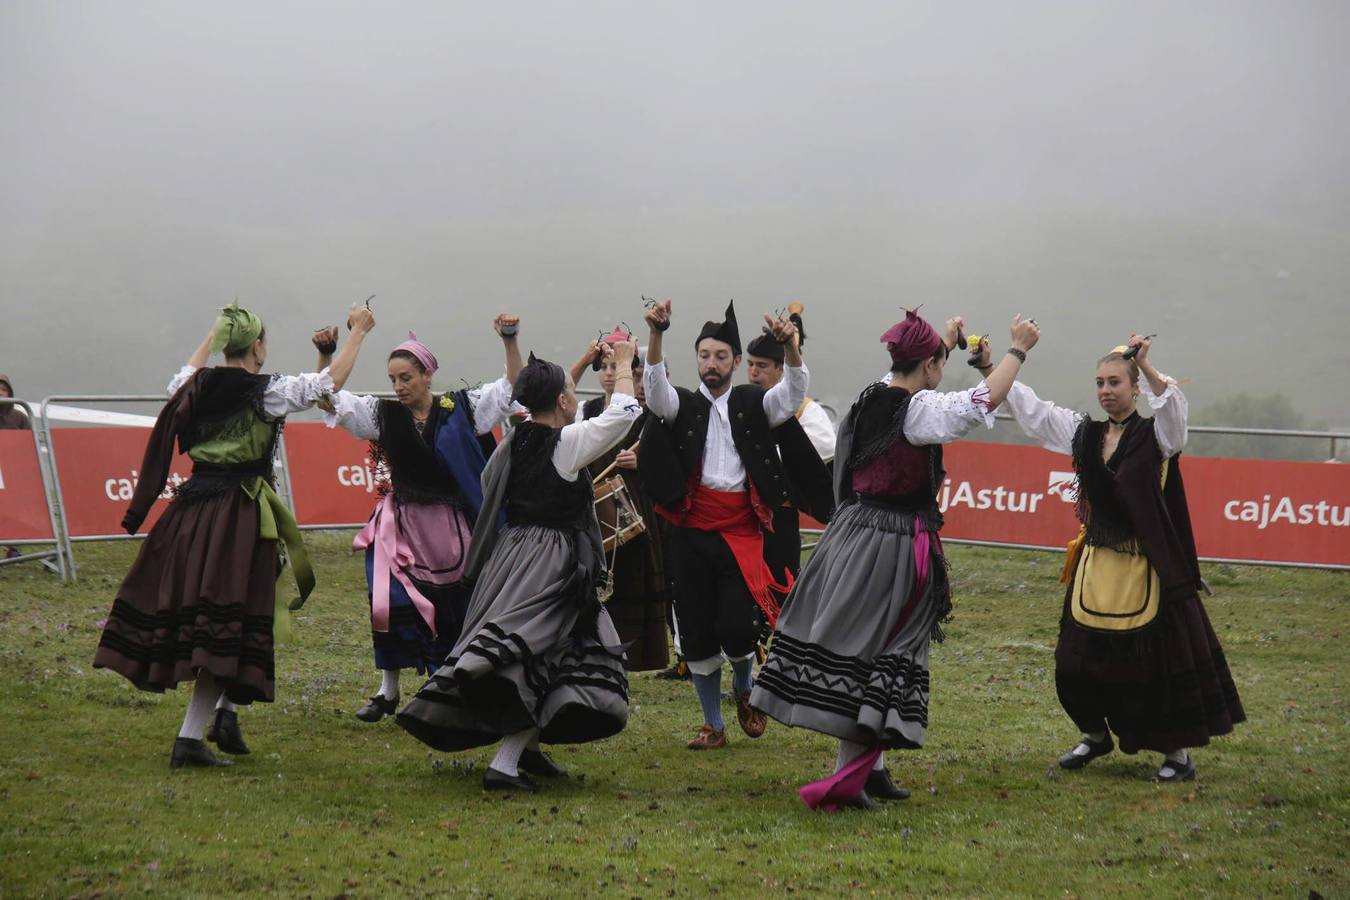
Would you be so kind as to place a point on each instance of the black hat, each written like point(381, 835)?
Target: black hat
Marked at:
point(766, 347)
point(725, 331)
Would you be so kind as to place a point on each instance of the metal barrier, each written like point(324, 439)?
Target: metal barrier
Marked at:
point(64, 551)
point(47, 471)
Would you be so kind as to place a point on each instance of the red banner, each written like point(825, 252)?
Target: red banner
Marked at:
point(1240, 508)
point(332, 476)
point(98, 469)
point(23, 509)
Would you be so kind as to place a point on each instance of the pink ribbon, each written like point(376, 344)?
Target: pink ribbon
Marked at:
point(830, 793)
point(392, 556)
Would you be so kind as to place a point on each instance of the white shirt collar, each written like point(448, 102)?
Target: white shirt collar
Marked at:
point(717, 401)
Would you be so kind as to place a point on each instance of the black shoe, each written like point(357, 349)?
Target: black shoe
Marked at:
point(537, 762)
point(187, 752)
point(880, 786)
point(500, 781)
point(224, 733)
point(862, 801)
point(1073, 760)
point(677, 672)
point(1180, 771)
point(378, 707)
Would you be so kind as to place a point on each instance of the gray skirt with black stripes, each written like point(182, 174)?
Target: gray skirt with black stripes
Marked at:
point(521, 661)
point(849, 657)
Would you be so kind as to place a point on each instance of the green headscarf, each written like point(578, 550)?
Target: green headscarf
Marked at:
point(235, 331)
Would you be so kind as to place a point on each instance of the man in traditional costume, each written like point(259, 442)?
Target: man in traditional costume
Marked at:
point(850, 656)
point(538, 659)
point(1136, 652)
point(199, 603)
point(718, 461)
point(416, 543)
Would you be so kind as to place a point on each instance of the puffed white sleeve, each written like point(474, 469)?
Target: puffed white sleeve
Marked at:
point(782, 401)
point(1051, 426)
point(582, 442)
point(491, 405)
point(940, 418)
point(180, 379)
point(356, 413)
point(818, 427)
point(661, 396)
point(286, 394)
point(1170, 411)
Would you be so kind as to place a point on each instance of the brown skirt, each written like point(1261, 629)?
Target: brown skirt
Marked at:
point(1164, 687)
point(199, 596)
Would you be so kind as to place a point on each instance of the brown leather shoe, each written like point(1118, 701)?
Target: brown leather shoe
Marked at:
point(708, 738)
point(753, 722)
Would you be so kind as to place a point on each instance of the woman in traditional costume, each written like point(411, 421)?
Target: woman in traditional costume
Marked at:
point(640, 599)
point(849, 657)
point(434, 447)
point(538, 659)
point(199, 603)
point(1136, 653)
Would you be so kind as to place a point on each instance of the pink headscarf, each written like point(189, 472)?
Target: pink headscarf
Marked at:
point(911, 339)
point(419, 350)
point(617, 335)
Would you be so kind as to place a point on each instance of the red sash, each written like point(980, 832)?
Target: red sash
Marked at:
point(731, 514)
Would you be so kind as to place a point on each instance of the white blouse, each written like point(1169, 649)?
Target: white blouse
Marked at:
point(940, 418)
point(583, 442)
point(284, 394)
point(359, 413)
point(1053, 427)
point(722, 466)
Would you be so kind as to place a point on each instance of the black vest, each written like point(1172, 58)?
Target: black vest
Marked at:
point(780, 462)
point(535, 493)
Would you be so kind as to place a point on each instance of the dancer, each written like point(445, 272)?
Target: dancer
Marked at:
point(1136, 653)
point(200, 600)
point(639, 603)
point(717, 462)
point(850, 655)
point(538, 659)
point(417, 540)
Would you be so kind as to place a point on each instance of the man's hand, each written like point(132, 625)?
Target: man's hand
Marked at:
point(658, 316)
point(627, 459)
point(783, 331)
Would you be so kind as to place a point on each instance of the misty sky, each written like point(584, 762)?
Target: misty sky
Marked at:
point(1179, 168)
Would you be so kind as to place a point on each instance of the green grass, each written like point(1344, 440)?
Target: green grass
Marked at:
point(327, 806)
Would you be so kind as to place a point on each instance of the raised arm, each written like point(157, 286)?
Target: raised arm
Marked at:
point(362, 321)
point(1169, 405)
point(580, 443)
point(198, 359)
point(1051, 426)
point(661, 396)
point(355, 413)
point(782, 401)
point(507, 326)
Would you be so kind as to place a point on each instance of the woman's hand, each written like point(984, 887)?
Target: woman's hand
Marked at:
point(955, 325)
point(1143, 343)
point(325, 339)
point(1025, 333)
point(361, 319)
point(507, 326)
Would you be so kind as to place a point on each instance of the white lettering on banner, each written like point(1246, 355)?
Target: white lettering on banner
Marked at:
point(997, 498)
point(360, 476)
point(1261, 514)
point(116, 489)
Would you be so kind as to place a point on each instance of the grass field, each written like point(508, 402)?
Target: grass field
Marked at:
point(327, 806)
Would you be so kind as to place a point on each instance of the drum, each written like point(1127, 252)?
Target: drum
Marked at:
point(618, 515)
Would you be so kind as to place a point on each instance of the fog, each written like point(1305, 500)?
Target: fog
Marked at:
point(1105, 167)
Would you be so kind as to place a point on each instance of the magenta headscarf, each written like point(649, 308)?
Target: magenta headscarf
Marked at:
point(419, 350)
point(911, 339)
